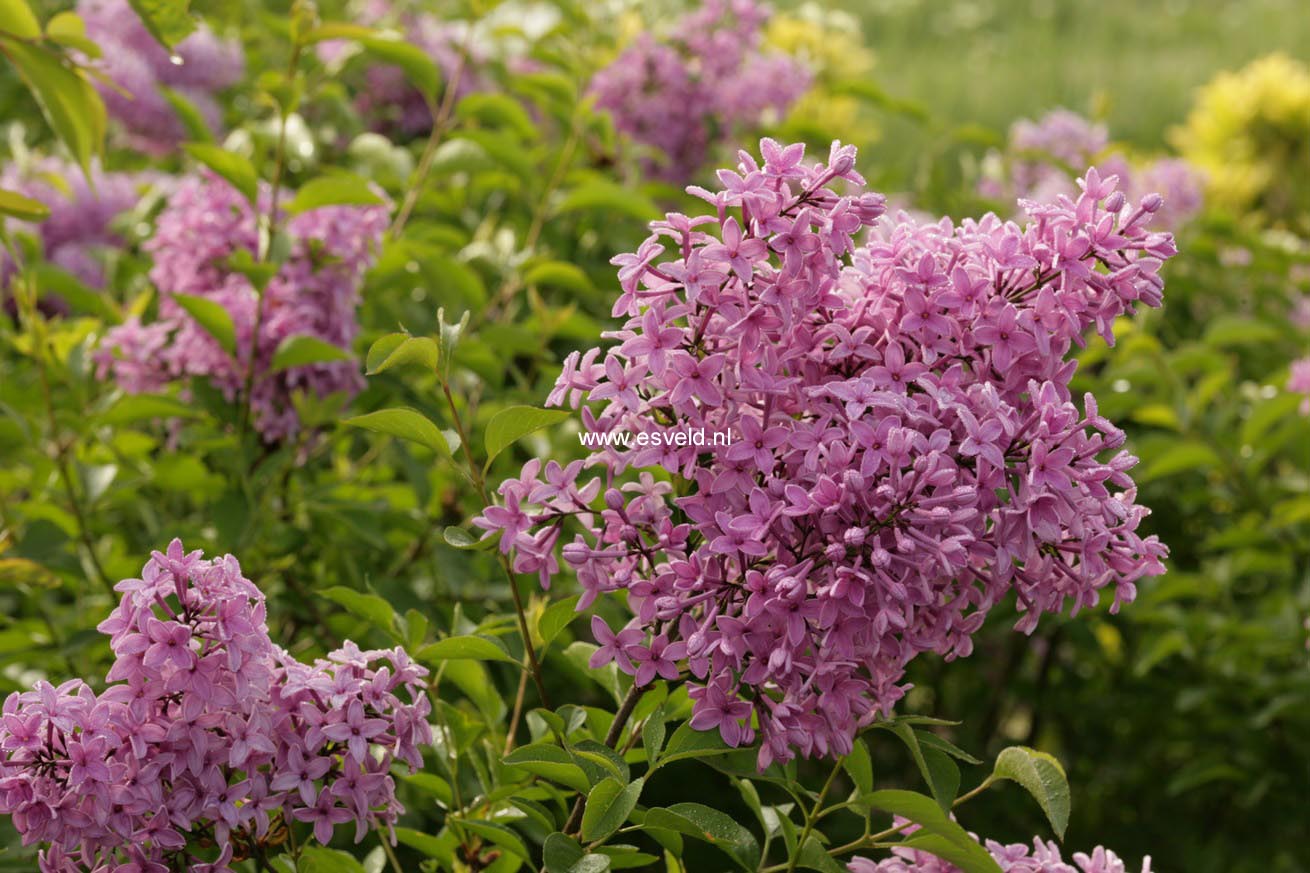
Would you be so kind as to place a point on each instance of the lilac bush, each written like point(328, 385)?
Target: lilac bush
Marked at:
point(314, 293)
point(82, 212)
point(137, 67)
point(209, 737)
point(1044, 156)
point(682, 94)
point(906, 452)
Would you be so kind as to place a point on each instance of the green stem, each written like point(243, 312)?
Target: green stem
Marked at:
point(34, 324)
point(611, 739)
point(440, 116)
point(390, 852)
point(265, 244)
point(813, 816)
point(475, 473)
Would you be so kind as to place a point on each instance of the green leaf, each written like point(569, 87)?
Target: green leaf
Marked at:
point(510, 425)
point(302, 350)
point(1235, 330)
point(197, 128)
point(381, 348)
point(235, 168)
point(369, 607)
point(211, 316)
point(336, 189)
point(953, 844)
point(859, 766)
point(549, 762)
point(687, 742)
point(16, 205)
point(608, 806)
point(944, 777)
point(16, 18)
point(500, 110)
point(498, 834)
point(930, 740)
point(407, 424)
point(425, 843)
point(1179, 457)
point(606, 197)
point(69, 30)
point(458, 538)
point(938, 770)
point(418, 351)
point(716, 828)
point(599, 761)
point(460, 156)
point(168, 21)
point(70, 104)
point(464, 648)
point(315, 859)
point(555, 618)
point(417, 65)
point(814, 856)
point(559, 274)
point(560, 852)
point(1043, 777)
point(132, 408)
point(653, 731)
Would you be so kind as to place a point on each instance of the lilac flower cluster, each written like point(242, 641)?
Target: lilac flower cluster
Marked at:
point(700, 85)
point(1044, 156)
point(906, 450)
point(1298, 382)
point(210, 739)
point(314, 293)
point(82, 213)
point(198, 67)
point(1042, 857)
point(387, 100)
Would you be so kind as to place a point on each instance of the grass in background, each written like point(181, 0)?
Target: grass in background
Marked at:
point(977, 65)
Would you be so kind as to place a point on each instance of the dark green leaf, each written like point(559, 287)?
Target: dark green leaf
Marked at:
point(369, 607)
point(608, 806)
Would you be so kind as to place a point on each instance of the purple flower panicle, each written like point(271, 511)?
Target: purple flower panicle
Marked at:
point(907, 453)
point(315, 293)
point(681, 94)
point(1044, 157)
point(209, 737)
point(81, 216)
point(198, 68)
point(1042, 857)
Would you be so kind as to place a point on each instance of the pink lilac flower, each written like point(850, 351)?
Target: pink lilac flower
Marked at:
point(1042, 857)
point(315, 293)
point(82, 213)
point(1043, 157)
point(906, 450)
point(172, 764)
point(1298, 382)
point(680, 94)
point(198, 68)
